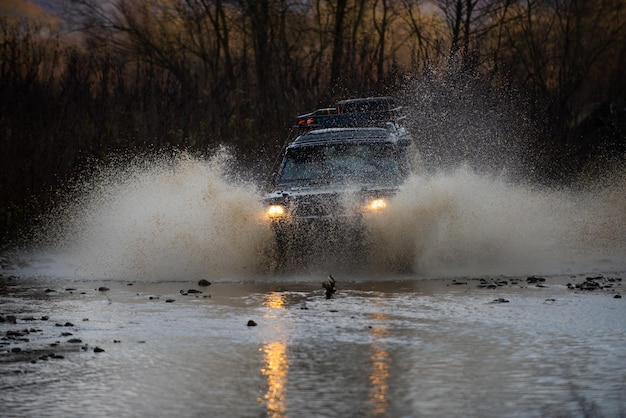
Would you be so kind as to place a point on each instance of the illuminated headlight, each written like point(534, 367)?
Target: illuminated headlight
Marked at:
point(276, 211)
point(376, 205)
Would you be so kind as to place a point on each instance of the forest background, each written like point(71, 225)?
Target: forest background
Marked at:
point(83, 82)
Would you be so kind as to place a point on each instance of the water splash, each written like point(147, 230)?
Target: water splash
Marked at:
point(462, 223)
point(160, 219)
point(185, 219)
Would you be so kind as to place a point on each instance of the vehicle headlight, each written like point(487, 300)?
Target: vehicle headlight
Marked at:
point(376, 205)
point(276, 211)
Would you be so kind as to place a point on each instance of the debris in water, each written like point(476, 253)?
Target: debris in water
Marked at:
point(329, 285)
point(251, 323)
point(103, 289)
point(190, 291)
point(204, 282)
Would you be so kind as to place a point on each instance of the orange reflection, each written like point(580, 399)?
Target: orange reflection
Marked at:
point(380, 371)
point(275, 300)
point(276, 368)
point(276, 363)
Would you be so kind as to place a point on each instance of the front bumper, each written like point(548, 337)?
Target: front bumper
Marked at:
point(321, 236)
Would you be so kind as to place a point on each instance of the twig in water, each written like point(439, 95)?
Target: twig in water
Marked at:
point(329, 285)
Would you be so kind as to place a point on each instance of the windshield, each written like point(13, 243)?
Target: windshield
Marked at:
point(362, 164)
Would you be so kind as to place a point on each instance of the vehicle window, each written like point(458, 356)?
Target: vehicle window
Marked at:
point(343, 163)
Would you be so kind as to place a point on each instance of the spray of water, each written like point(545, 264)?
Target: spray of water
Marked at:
point(160, 218)
point(474, 208)
point(183, 219)
point(461, 223)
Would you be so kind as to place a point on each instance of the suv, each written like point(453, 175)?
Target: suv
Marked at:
point(330, 178)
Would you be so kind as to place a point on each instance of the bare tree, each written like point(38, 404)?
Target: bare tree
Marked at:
point(556, 46)
point(338, 41)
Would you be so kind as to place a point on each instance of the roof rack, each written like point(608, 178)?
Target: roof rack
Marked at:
point(352, 113)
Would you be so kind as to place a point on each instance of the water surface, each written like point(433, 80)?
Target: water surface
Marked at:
point(392, 347)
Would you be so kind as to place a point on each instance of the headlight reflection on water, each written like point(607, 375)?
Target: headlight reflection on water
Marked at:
point(380, 369)
point(275, 364)
point(276, 367)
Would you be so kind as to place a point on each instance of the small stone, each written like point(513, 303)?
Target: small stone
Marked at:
point(204, 282)
point(98, 350)
point(16, 350)
point(618, 296)
point(68, 324)
point(75, 341)
point(251, 323)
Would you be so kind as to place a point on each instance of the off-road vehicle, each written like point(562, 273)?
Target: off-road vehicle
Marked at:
point(331, 177)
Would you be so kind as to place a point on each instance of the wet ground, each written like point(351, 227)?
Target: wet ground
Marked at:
point(276, 346)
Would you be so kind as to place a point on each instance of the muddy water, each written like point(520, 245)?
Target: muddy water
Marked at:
point(395, 346)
